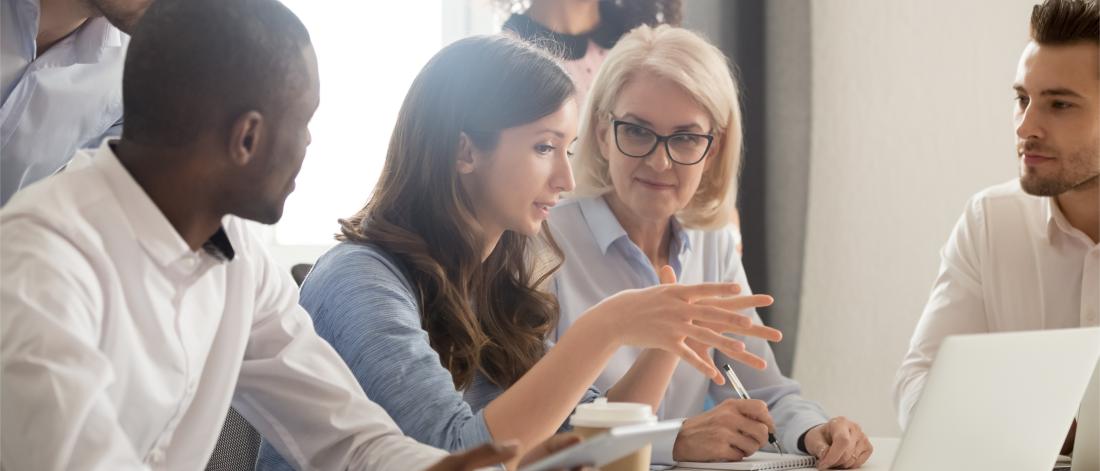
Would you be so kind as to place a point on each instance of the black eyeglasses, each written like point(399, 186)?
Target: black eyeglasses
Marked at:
point(638, 141)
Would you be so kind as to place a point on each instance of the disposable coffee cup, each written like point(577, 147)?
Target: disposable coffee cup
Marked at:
point(598, 417)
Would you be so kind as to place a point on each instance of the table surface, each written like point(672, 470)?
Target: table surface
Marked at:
point(880, 460)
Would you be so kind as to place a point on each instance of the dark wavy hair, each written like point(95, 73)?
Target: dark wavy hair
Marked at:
point(633, 13)
point(488, 317)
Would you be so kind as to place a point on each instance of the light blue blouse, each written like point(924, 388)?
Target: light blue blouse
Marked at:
point(600, 260)
point(362, 303)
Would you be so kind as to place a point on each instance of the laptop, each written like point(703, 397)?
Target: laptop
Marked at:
point(1001, 401)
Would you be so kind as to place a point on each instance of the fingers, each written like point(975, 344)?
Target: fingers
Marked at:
point(692, 293)
point(757, 431)
point(722, 319)
point(485, 455)
point(667, 275)
point(692, 358)
point(749, 359)
point(840, 446)
point(862, 449)
point(745, 444)
point(756, 410)
point(727, 345)
point(560, 442)
point(738, 303)
point(758, 331)
point(550, 446)
point(762, 332)
point(864, 452)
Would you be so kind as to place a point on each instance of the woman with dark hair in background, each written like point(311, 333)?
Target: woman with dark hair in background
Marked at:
point(582, 31)
point(434, 298)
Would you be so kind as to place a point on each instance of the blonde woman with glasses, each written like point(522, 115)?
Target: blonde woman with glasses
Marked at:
point(656, 165)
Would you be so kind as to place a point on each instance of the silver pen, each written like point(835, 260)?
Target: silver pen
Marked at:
point(744, 394)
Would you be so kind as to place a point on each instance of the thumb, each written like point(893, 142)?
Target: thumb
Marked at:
point(667, 275)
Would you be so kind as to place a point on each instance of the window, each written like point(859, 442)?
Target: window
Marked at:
point(368, 54)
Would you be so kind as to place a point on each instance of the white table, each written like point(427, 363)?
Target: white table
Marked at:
point(880, 460)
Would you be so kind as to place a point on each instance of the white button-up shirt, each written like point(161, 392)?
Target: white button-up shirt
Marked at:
point(124, 349)
point(65, 99)
point(1012, 263)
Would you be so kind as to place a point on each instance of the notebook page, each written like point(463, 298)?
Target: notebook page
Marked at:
point(759, 461)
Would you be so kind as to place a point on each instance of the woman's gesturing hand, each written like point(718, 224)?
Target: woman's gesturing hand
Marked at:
point(676, 318)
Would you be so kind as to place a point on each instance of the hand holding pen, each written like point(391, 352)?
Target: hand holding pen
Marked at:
point(735, 383)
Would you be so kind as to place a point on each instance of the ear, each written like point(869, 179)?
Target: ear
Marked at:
point(466, 161)
point(715, 147)
point(244, 137)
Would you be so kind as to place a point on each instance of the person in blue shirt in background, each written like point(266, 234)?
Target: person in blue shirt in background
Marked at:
point(60, 82)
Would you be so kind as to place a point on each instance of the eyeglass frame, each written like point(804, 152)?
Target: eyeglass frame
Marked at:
point(615, 123)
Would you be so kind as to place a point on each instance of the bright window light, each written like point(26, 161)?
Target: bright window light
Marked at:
point(368, 54)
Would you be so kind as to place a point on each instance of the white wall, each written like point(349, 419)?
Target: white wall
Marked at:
point(911, 114)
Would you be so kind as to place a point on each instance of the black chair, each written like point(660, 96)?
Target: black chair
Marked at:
point(300, 271)
point(238, 445)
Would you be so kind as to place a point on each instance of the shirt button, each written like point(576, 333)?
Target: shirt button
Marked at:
point(156, 456)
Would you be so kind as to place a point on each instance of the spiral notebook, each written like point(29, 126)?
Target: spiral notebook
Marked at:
point(759, 461)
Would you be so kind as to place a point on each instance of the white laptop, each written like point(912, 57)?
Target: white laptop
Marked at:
point(1000, 401)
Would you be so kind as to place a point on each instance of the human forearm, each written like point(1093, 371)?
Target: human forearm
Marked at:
point(647, 379)
point(534, 407)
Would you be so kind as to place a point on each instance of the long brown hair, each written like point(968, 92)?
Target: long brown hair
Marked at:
point(488, 317)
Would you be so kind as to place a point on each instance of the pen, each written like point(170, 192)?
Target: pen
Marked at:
point(743, 394)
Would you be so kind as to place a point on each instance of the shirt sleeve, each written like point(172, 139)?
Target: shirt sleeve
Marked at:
point(365, 309)
point(302, 398)
point(955, 306)
point(54, 393)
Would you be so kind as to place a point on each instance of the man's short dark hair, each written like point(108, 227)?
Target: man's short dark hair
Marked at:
point(1057, 22)
point(196, 65)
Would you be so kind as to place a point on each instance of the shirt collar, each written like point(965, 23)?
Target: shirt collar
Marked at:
point(1056, 222)
point(93, 38)
point(147, 223)
point(606, 229)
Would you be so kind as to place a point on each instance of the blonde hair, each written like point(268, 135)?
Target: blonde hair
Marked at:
point(700, 69)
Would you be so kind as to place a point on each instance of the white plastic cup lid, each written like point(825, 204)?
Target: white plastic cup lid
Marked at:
point(603, 414)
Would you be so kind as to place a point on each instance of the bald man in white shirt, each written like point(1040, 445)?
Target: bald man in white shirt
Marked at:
point(1024, 255)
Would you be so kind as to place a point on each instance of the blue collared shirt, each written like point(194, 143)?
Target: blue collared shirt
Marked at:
point(601, 260)
point(67, 98)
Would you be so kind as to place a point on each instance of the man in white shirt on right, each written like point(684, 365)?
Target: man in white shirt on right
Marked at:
point(1024, 254)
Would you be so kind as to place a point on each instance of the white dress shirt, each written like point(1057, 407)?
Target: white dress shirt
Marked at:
point(56, 102)
point(1012, 263)
point(601, 260)
point(124, 349)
